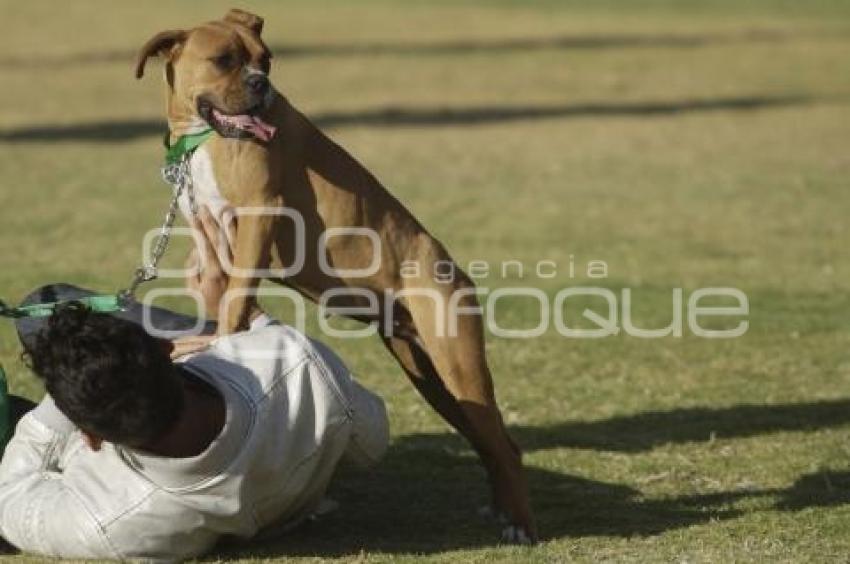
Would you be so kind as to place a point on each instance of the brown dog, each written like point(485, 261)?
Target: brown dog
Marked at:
point(267, 154)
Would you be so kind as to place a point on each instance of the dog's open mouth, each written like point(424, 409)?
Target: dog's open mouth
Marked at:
point(236, 126)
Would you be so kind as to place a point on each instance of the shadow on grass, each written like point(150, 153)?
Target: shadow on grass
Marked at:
point(459, 46)
point(423, 498)
point(95, 131)
point(404, 117)
point(644, 431)
point(130, 129)
point(821, 489)
point(818, 489)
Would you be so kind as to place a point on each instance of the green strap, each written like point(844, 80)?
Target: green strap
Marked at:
point(185, 144)
point(108, 303)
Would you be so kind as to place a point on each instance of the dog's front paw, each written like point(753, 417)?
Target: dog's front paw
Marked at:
point(511, 533)
point(514, 534)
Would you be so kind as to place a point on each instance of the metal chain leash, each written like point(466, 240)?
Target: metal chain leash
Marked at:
point(179, 176)
point(177, 173)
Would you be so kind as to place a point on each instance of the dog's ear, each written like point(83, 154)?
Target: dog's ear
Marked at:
point(161, 44)
point(247, 19)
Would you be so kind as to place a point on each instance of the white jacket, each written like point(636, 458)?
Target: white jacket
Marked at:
point(292, 412)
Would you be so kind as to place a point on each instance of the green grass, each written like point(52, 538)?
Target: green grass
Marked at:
point(687, 144)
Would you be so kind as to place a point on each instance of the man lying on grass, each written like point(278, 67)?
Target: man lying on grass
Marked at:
point(135, 455)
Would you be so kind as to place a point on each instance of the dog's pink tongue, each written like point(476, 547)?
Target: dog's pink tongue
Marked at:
point(260, 129)
point(253, 124)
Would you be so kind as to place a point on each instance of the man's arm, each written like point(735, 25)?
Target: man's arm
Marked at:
point(38, 512)
point(370, 436)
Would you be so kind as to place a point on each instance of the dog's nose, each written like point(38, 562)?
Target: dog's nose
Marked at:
point(257, 83)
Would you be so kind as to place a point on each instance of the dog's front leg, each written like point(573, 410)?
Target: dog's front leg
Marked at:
point(251, 255)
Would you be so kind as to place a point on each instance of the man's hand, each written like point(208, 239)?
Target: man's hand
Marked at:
point(204, 265)
point(206, 275)
point(189, 345)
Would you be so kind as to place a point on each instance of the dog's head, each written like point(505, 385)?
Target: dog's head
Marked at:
point(217, 72)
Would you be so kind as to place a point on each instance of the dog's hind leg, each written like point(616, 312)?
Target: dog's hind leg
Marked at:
point(459, 361)
point(422, 374)
point(404, 344)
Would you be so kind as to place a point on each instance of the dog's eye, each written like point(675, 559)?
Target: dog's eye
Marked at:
point(224, 62)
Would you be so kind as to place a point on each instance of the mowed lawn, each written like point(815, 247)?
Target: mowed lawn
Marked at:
point(686, 144)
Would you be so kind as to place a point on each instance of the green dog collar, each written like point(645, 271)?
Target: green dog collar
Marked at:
point(185, 144)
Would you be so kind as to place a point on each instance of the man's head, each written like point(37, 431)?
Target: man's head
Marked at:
point(108, 376)
point(217, 72)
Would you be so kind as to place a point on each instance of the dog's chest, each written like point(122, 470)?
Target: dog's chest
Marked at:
point(205, 187)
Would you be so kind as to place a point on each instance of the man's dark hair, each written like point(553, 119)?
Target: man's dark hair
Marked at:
point(107, 375)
